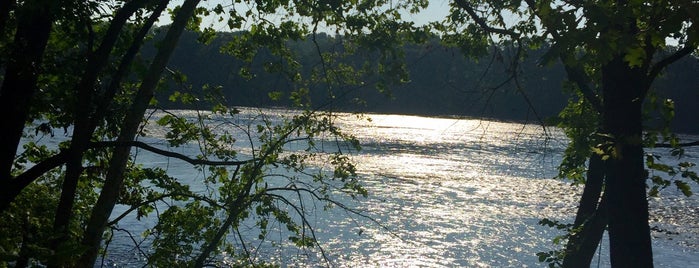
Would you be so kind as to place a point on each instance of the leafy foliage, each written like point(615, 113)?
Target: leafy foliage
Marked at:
point(261, 169)
point(602, 45)
point(579, 122)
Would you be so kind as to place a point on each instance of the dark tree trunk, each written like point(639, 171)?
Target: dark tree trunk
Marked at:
point(115, 174)
point(591, 214)
point(5, 7)
point(84, 124)
point(19, 86)
point(629, 233)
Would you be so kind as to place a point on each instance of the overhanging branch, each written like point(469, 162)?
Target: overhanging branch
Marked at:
point(145, 146)
point(27, 177)
point(575, 75)
point(482, 23)
point(667, 145)
point(659, 66)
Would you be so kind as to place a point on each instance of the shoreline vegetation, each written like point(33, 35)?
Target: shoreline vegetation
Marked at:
point(442, 83)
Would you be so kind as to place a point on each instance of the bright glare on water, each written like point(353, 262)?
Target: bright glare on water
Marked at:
point(460, 193)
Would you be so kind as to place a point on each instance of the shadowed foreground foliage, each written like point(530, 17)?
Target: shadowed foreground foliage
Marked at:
point(77, 66)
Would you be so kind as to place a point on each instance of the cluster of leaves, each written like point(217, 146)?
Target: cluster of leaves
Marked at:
point(254, 188)
point(661, 135)
point(251, 189)
point(579, 123)
point(555, 257)
point(683, 169)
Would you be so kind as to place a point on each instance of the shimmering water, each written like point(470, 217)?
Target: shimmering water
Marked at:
point(453, 193)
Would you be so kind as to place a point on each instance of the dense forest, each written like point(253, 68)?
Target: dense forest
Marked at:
point(442, 82)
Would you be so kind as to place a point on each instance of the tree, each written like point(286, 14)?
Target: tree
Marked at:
point(74, 64)
point(34, 22)
point(612, 53)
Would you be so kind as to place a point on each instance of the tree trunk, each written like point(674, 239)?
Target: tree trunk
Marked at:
point(591, 214)
point(115, 174)
point(19, 85)
point(84, 125)
point(629, 233)
point(5, 7)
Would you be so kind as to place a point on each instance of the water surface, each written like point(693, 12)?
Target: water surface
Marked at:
point(452, 192)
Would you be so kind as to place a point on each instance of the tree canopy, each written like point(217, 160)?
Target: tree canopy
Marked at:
point(458, 85)
point(612, 52)
point(78, 66)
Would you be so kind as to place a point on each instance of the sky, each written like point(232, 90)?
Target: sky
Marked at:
point(436, 11)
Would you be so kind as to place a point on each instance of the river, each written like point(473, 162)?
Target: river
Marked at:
point(450, 192)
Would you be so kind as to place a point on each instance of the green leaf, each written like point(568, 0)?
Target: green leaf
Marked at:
point(635, 56)
point(684, 187)
point(275, 95)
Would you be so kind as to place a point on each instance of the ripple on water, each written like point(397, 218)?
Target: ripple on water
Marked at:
point(467, 193)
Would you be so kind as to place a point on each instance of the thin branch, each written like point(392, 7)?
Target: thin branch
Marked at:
point(245, 248)
point(659, 66)
point(481, 22)
point(342, 206)
point(145, 146)
point(133, 239)
point(575, 75)
point(162, 197)
point(107, 242)
point(520, 89)
point(667, 145)
point(484, 25)
point(306, 224)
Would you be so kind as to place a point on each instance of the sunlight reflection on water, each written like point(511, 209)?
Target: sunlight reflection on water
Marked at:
point(459, 192)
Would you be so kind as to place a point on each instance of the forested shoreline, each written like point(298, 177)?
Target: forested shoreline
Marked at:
point(442, 82)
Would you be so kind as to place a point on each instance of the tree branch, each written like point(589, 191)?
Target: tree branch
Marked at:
point(575, 75)
point(481, 22)
point(667, 145)
point(145, 146)
point(162, 197)
point(341, 205)
point(12, 187)
point(659, 66)
point(581, 79)
point(40, 168)
point(305, 222)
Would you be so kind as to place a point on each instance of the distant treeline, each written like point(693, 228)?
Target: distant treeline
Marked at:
point(442, 82)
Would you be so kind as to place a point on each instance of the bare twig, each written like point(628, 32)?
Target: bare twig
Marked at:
point(307, 224)
point(245, 248)
point(342, 206)
point(133, 239)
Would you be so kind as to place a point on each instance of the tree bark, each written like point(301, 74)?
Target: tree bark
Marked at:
point(629, 233)
point(115, 173)
point(19, 85)
point(591, 215)
point(5, 7)
point(84, 126)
